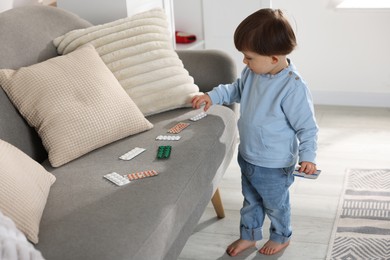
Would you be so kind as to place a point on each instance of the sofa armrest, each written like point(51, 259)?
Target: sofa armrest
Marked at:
point(209, 68)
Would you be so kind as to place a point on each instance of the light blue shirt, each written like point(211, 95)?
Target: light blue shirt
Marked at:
point(277, 125)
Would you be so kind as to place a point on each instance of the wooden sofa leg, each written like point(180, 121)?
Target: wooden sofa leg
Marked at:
point(217, 203)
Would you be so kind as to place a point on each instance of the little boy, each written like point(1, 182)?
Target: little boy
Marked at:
point(277, 127)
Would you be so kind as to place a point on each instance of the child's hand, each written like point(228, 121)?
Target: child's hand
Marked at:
point(308, 167)
point(197, 101)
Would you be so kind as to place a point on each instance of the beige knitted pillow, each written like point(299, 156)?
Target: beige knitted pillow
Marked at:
point(24, 187)
point(138, 50)
point(74, 102)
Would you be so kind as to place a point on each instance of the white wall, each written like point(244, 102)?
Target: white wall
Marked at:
point(96, 11)
point(221, 19)
point(9, 4)
point(344, 55)
point(103, 11)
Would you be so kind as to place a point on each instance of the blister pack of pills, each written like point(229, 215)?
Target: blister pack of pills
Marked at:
point(198, 116)
point(141, 175)
point(164, 152)
point(307, 176)
point(178, 128)
point(168, 138)
point(117, 178)
point(132, 153)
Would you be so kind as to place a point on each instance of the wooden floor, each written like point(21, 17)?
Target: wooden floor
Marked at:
point(349, 138)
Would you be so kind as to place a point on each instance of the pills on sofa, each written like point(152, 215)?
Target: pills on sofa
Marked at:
point(132, 153)
point(164, 152)
point(168, 138)
point(116, 178)
point(198, 116)
point(141, 175)
point(178, 128)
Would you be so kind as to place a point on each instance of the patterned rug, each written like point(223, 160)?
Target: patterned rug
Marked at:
point(362, 227)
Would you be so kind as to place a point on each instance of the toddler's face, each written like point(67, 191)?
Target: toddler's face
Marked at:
point(260, 64)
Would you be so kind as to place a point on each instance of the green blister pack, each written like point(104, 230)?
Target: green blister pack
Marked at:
point(164, 152)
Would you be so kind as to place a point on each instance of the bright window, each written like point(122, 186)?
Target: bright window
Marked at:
point(365, 4)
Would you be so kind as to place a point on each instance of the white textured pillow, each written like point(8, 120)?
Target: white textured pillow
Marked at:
point(74, 102)
point(13, 243)
point(24, 187)
point(138, 50)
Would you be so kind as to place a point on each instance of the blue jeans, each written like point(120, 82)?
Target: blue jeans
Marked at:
point(265, 192)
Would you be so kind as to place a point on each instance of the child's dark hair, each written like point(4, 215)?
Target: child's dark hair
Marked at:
point(266, 32)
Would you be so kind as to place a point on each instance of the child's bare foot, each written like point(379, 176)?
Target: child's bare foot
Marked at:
point(238, 246)
point(271, 247)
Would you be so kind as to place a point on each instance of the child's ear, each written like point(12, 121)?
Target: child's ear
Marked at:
point(275, 59)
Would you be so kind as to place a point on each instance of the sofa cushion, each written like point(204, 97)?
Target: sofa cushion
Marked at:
point(74, 102)
point(27, 43)
point(24, 187)
point(92, 218)
point(138, 50)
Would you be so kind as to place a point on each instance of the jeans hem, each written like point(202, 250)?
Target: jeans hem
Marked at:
point(252, 234)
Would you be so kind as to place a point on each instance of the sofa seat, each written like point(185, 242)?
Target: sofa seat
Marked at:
point(93, 219)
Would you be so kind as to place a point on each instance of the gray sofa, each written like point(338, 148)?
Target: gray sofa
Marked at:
point(86, 217)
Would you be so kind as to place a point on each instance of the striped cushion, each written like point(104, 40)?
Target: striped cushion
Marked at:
point(74, 102)
point(138, 50)
point(24, 187)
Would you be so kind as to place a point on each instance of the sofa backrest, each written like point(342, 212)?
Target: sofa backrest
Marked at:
point(26, 35)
